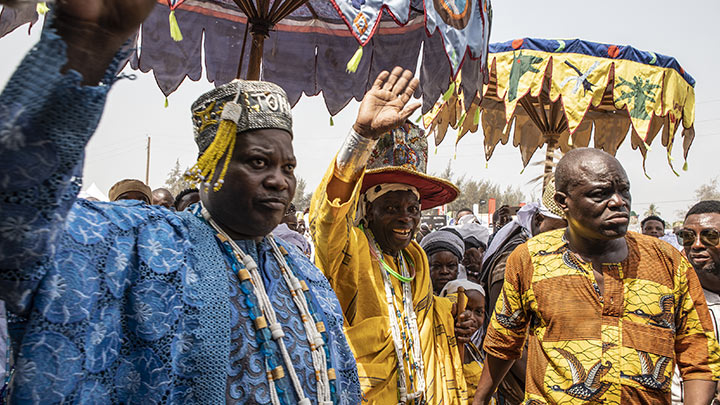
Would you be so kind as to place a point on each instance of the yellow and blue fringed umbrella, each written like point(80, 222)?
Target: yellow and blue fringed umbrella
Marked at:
point(570, 91)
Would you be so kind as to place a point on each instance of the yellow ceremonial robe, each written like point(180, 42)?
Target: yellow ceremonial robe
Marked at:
point(472, 372)
point(342, 253)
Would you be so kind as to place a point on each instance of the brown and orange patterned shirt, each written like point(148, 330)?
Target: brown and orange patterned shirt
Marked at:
point(616, 348)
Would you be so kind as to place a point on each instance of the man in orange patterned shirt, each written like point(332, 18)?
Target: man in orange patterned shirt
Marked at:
point(610, 312)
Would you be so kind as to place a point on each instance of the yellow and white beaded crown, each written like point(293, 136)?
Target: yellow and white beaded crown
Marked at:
point(222, 113)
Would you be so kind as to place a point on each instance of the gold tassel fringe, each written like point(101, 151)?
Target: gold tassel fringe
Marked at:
point(354, 62)
point(205, 170)
point(42, 8)
point(175, 33)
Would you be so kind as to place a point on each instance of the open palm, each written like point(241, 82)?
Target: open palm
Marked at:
point(384, 107)
point(117, 16)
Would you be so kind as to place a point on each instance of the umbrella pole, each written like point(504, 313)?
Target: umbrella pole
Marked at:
point(551, 140)
point(242, 53)
point(256, 51)
point(259, 30)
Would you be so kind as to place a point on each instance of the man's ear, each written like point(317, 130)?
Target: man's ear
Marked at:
point(368, 213)
point(561, 200)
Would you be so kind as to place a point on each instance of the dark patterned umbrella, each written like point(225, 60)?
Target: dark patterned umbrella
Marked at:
point(305, 45)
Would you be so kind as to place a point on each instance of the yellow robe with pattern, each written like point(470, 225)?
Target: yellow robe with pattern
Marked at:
point(619, 347)
point(472, 372)
point(342, 252)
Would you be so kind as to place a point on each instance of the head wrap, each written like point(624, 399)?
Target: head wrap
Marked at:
point(548, 200)
point(378, 191)
point(452, 286)
point(473, 234)
point(446, 239)
point(525, 215)
point(528, 211)
point(294, 238)
point(220, 114)
point(127, 185)
point(523, 221)
point(465, 219)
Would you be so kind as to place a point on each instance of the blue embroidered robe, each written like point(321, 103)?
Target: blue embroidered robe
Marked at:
point(125, 302)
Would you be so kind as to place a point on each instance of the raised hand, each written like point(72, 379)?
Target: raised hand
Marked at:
point(384, 107)
point(94, 30)
point(115, 17)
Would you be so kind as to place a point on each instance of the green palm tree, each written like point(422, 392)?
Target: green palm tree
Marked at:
point(652, 210)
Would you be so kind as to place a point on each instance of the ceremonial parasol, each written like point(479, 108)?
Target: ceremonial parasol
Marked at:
point(305, 45)
point(570, 91)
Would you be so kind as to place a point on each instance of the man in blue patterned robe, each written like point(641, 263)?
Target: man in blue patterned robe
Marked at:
point(125, 302)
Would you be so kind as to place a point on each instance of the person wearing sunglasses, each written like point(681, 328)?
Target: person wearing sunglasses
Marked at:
point(700, 238)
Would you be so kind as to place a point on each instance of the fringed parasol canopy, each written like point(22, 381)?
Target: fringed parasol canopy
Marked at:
point(334, 47)
point(570, 91)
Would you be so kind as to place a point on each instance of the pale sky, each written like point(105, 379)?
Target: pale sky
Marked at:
point(136, 108)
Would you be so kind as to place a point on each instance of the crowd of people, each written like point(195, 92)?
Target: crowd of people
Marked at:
point(224, 294)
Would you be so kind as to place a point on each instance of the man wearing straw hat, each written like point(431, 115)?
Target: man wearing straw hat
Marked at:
point(129, 303)
point(363, 218)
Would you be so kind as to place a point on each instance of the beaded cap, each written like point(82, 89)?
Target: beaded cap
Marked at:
point(548, 199)
point(220, 114)
point(262, 105)
point(400, 156)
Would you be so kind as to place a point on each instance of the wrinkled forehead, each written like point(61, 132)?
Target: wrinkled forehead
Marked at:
point(601, 169)
point(705, 220)
point(398, 196)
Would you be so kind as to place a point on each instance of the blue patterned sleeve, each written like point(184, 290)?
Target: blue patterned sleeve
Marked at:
point(46, 119)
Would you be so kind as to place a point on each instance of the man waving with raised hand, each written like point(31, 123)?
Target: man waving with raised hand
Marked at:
point(363, 218)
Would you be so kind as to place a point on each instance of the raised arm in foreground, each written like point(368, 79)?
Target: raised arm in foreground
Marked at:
point(47, 115)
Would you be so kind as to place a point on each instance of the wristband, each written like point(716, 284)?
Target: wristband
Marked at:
point(353, 156)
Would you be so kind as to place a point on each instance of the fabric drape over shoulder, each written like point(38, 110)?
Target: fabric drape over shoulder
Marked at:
point(343, 254)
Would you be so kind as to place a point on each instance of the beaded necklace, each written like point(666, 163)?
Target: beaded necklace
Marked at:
point(407, 339)
point(267, 327)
